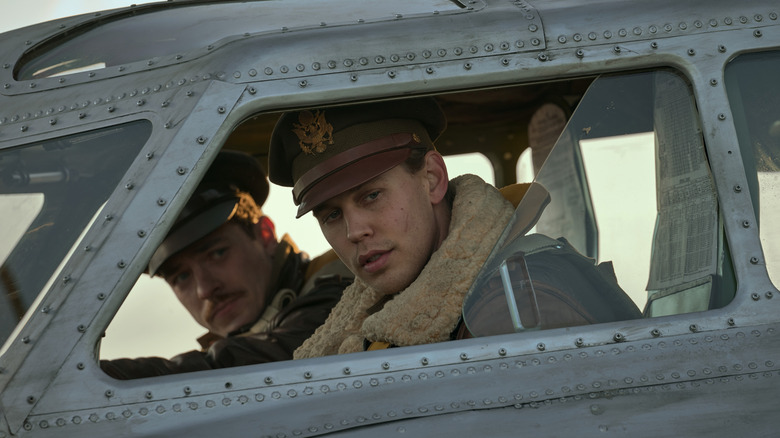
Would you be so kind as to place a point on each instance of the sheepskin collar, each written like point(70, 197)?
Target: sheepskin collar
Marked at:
point(429, 309)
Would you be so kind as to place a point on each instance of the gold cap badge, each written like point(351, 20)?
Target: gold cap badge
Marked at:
point(313, 131)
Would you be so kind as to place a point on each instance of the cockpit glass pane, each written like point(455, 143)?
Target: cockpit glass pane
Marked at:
point(182, 29)
point(620, 222)
point(754, 95)
point(50, 191)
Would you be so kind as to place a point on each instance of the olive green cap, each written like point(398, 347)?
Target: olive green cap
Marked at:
point(323, 152)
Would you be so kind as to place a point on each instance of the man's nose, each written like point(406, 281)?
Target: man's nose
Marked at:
point(209, 284)
point(358, 227)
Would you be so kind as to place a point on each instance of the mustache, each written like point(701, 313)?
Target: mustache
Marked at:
point(214, 304)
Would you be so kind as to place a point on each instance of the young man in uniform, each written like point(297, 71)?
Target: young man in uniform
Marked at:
point(259, 297)
point(414, 239)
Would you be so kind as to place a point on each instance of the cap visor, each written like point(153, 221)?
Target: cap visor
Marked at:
point(351, 176)
point(192, 230)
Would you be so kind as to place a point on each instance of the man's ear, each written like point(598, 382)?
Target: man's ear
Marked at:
point(266, 232)
point(436, 173)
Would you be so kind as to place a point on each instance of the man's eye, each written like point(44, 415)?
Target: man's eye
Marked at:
point(330, 216)
point(218, 253)
point(177, 278)
point(373, 195)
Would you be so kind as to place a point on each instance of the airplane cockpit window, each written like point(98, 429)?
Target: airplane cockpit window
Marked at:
point(185, 29)
point(620, 222)
point(622, 217)
point(754, 96)
point(49, 193)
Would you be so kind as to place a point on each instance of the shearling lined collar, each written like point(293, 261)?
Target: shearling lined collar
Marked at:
point(428, 310)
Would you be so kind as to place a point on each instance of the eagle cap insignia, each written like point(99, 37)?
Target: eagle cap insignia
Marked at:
point(313, 131)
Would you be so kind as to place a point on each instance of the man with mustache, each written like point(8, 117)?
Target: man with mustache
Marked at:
point(414, 239)
point(258, 296)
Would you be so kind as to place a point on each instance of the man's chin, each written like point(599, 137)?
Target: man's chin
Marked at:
point(234, 327)
point(387, 287)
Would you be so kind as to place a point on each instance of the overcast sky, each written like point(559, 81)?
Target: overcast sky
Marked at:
point(18, 14)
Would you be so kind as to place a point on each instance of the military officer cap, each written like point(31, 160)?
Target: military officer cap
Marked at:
point(322, 153)
point(213, 203)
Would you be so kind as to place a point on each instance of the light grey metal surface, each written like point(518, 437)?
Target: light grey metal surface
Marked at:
point(713, 373)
